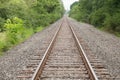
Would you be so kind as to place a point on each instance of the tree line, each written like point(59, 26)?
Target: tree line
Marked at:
point(104, 14)
point(21, 18)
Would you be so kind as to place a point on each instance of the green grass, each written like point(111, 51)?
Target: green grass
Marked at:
point(109, 31)
point(117, 34)
point(2, 36)
point(4, 42)
point(39, 29)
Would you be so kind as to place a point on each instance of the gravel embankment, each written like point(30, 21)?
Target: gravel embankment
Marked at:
point(17, 58)
point(104, 45)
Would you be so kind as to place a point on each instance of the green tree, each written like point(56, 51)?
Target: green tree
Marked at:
point(21, 18)
point(101, 13)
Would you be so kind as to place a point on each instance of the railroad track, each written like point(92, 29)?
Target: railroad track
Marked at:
point(65, 59)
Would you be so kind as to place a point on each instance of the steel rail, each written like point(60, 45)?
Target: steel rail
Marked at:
point(39, 69)
point(91, 72)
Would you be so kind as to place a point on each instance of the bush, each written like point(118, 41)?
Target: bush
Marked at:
point(97, 18)
point(15, 30)
point(112, 23)
point(104, 14)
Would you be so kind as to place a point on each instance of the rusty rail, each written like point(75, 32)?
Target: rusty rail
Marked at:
point(45, 57)
point(90, 70)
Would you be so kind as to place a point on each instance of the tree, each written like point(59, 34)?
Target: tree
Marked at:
point(101, 13)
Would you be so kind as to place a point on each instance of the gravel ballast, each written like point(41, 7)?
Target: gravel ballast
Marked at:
point(104, 45)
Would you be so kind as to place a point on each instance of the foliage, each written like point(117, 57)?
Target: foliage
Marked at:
point(21, 18)
point(34, 12)
point(14, 33)
point(15, 30)
point(101, 13)
point(74, 10)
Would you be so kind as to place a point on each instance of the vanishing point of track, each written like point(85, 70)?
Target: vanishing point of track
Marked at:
point(47, 65)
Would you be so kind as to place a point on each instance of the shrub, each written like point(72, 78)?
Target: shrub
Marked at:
point(14, 30)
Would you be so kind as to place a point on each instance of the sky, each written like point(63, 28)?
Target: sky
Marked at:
point(67, 3)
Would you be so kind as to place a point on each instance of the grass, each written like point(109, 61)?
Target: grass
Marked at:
point(106, 30)
point(4, 43)
point(39, 29)
point(2, 36)
point(117, 34)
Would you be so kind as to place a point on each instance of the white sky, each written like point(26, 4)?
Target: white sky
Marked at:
point(67, 3)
